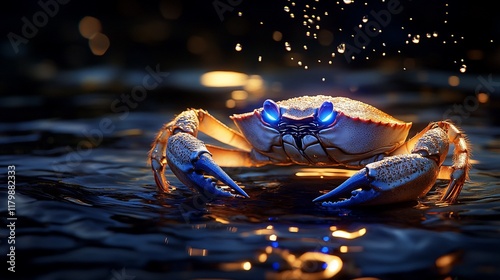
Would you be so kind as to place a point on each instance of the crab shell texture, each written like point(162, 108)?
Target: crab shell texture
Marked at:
point(354, 132)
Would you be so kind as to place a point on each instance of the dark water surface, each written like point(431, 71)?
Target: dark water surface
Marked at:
point(93, 211)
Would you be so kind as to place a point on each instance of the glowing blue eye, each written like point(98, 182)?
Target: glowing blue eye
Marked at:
point(271, 112)
point(326, 114)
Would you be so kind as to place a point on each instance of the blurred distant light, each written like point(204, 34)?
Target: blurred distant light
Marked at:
point(224, 79)
point(453, 81)
point(254, 84)
point(230, 103)
point(325, 37)
point(277, 36)
point(239, 95)
point(89, 26)
point(197, 44)
point(171, 9)
point(247, 266)
point(99, 44)
point(483, 97)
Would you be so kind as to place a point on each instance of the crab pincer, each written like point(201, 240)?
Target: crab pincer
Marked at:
point(189, 159)
point(396, 178)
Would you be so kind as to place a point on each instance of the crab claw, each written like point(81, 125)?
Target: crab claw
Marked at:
point(189, 159)
point(394, 179)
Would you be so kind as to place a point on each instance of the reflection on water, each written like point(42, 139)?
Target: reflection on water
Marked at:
point(93, 212)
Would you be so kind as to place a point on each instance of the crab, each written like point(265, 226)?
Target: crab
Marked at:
point(320, 131)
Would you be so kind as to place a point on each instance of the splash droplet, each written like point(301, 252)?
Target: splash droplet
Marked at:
point(287, 46)
point(341, 48)
point(463, 68)
point(365, 19)
point(416, 39)
point(287, 9)
point(238, 47)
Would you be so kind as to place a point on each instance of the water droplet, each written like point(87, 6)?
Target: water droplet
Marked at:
point(416, 39)
point(260, 58)
point(463, 68)
point(305, 47)
point(365, 19)
point(428, 35)
point(240, 14)
point(323, 79)
point(299, 63)
point(348, 1)
point(434, 34)
point(287, 46)
point(238, 47)
point(341, 48)
point(287, 9)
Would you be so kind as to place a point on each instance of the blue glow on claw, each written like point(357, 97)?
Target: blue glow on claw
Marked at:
point(326, 114)
point(270, 112)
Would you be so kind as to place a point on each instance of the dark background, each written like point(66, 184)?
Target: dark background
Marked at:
point(143, 33)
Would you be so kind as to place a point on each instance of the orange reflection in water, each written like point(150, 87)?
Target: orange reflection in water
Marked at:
point(349, 235)
point(325, 172)
point(301, 265)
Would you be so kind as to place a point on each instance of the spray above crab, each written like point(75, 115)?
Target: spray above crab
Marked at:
point(320, 131)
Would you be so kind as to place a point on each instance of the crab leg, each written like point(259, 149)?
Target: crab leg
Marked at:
point(461, 164)
point(176, 145)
